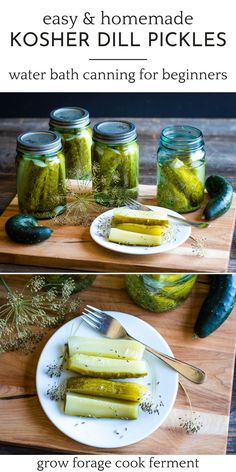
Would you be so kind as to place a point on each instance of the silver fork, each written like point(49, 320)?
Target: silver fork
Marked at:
point(111, 328)
point(134, 205)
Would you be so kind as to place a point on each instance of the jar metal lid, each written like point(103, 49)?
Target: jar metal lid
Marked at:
point(114, 132)
point(41, 142)
point(69, 117)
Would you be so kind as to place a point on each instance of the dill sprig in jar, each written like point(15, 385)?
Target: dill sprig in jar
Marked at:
point(73, 125)
point(181, 168)
point(159, 292)
point(115, 162)
point(40, 174)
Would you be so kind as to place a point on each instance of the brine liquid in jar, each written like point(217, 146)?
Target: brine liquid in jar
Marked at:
point(40, 174)
point(115, 162)
point(159, 292)
point(181, 168)
point(73, 125)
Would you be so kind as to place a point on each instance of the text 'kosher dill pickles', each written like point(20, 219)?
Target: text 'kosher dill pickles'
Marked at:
point(115, 162)
point(181, 168)
point(73, 125)
point(40, 172)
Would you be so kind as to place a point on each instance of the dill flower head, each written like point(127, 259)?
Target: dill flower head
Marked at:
point(27, 314)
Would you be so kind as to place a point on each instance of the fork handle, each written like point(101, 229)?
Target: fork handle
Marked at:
point(190, 372)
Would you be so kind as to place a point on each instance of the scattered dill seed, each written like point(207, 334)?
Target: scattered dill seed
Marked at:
point(57, 392)
point(191, 423)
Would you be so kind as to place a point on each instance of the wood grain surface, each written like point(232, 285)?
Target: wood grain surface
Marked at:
point(24, 423)
point(71, 247)
point(219, 134)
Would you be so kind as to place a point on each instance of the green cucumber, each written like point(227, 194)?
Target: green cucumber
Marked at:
point(217, 306)
point(24, 229)
point(221, 196)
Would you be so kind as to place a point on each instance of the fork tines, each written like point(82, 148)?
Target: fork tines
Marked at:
point(133, 203)
point(93, 316)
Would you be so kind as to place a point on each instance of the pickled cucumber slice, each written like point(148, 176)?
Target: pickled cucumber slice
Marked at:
point(144, 229)
point(180, 291)
point(169, 196)
point(166, 277)
point(77, 150)
point(185, 180)
point(106, 368)
point(133, 239)
point(40, 185)
point(89, 406)
point(116, 349)
point(125, 215)
point(131, 391)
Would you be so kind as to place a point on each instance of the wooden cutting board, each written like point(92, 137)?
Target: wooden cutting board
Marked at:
point(24, 423)
point(71, 247)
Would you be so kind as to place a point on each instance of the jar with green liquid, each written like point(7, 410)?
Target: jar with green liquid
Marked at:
point(159, 292)
point(73, 125)
point(115, 162)
point(40, 174)
point(181, 168)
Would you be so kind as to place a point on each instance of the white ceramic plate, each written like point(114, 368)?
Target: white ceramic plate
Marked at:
point(109, 433)
point(176, 235)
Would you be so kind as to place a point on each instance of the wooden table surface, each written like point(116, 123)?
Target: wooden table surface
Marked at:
point(211, 400)
point(220, 138)
point(219, 134)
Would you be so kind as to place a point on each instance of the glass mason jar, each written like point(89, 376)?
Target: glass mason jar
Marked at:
point(40, 174)
point(162, 292)
point(73, 125)
point(181, 168)
point(80, 282)
point(115, 162)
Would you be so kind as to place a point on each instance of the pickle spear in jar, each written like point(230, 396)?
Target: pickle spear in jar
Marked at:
point(40, 170)
point(73, 125)
point(115, 156)
point(181, 168)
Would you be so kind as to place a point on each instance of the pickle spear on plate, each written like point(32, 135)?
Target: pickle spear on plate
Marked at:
point(125, 215)
point(103, 367)
point(113, 348)
point(133, 239)
point(131, 391)
point(97, 407)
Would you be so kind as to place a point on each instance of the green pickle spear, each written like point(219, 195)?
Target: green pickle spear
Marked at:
point(77, 149)
point(169, 196)
point(104, 367)
point(97, 407)
point(40, 184)
point(131, 391)
point(115, 172)
point(185, 181)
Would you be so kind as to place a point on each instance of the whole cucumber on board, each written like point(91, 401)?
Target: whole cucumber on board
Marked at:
point(24, 229)
point(221, 196)
point(217, 306)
